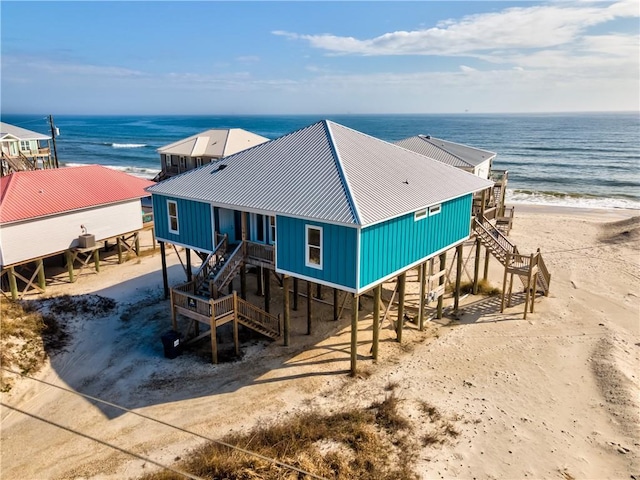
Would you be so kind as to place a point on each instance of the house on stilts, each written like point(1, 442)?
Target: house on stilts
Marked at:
point(326, 205)
point(22, 149)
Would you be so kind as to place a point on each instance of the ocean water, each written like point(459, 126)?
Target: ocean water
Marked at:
point(579, 160)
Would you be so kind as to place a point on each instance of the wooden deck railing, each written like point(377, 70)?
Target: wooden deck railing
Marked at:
point(191, 302)
point(260, 252)
point(495, 236)
point(223, 306)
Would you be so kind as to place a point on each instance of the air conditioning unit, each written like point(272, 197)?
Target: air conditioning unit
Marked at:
point(87, 240)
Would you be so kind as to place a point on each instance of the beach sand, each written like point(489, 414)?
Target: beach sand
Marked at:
point(553, 396)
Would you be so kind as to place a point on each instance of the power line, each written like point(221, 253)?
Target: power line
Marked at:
point(30, 121)
point(115, 447)
point(161, 422)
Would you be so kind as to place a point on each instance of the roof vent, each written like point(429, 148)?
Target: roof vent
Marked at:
point(427, 136)
point(220, 167)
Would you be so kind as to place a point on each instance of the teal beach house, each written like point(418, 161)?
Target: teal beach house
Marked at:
point(324, 204)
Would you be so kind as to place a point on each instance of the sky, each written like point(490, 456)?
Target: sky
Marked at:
point(209, 57)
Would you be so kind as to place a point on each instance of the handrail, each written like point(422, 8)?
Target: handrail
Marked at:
point(229, 267)
point(496, 236)
point(259, 316)
point(192, 302)
point(544, 272)
point(223, 306)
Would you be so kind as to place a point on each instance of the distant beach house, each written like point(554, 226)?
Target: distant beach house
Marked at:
point(203, 148)
point(23, 149)
point(469, 159)
point(66, 210)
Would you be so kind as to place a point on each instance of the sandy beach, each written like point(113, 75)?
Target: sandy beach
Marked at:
point(552, 396)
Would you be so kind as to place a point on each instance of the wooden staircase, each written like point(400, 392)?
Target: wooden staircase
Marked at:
point(198, 299)
point(509, 256)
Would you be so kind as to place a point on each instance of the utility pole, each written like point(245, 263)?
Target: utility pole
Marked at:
point(53, 137)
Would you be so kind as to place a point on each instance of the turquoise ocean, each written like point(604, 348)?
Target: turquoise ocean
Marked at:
point(579, 160)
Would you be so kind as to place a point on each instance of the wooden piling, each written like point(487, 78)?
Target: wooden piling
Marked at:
point(69, 257)
point(476, 268)
point(487, 256)
point(42, 281)
point(443, 266)
point(236, 342)
point(243, 282)
point(423, 283)
point(377, 293)
point(318, 290)
point(309, 303)
point(285, 308)
point(13, 284)
point(295, 294)
point(354, 335)
point(402, 279)
point(267, 288)
point(165, 280)
point(96, 259)
point(188, 261)
point(456, 293)
point(335, 305)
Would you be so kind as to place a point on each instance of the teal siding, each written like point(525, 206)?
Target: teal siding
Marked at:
point(338, 251)
point(394, 244)
point(194, 222)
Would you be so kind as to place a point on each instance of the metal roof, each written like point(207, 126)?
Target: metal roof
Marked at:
point(38, 193)
point(447, 152)
point(215, 143)
point(326, 172)
point(20, 133)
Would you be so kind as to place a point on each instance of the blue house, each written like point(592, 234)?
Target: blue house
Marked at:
point(325, 204)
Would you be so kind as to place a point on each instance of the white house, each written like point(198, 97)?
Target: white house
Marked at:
point(22, 149)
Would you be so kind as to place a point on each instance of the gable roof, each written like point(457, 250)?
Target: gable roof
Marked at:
point(327, 172)
point(38, 193)
point(214, 143)
point(19, 133)
point(451, 153)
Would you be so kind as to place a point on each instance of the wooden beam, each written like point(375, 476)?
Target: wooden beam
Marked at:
point(402, 279)
point(295, 294)
point(236, 342)
point(354, 335)
point(377, 293)
point(119, 242)
point(335, 305)
point(285, 308)
point(165, 280)
point(487, 256)
point(96, 259)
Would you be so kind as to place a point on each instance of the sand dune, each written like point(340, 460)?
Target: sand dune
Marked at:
point(553, 396)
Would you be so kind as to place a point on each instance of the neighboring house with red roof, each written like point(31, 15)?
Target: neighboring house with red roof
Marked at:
point(43, 212)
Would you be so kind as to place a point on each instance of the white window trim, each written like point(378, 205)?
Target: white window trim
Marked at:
point(307, 247)
point(271, 228)
point(420, 214)
point(169, 217)
point(435, 209)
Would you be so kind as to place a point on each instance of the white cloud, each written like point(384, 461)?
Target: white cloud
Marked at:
point(513, 28)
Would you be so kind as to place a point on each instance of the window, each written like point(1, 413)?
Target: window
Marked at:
point(172, 211)
point(183, 163)
point(25, 145)
point(420, 214)
point(167, 160)
point(434, 210)
point(272, 229)
point(314, 247)
point(198, 161)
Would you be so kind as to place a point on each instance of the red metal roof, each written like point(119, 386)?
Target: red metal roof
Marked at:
point(38, 193)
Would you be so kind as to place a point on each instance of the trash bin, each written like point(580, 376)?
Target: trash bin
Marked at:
point(171, 344)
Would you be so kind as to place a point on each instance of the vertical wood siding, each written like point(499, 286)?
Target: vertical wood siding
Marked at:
point(394, 244)
point(194, 222)
point(339, 246)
